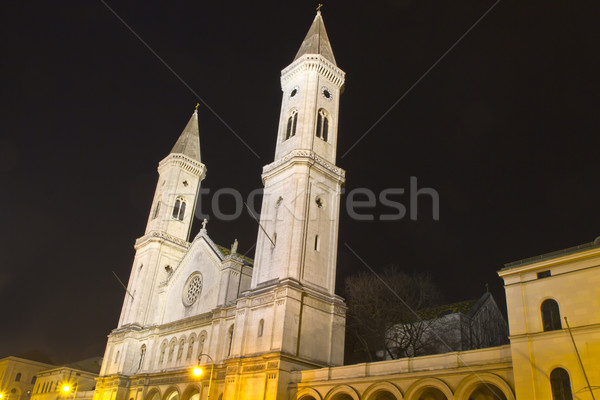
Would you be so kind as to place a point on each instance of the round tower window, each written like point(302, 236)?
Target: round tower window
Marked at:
point(294, 92)
point(192, 289)
point(326, 93)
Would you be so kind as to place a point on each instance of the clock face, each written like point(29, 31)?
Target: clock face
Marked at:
point(326, 93)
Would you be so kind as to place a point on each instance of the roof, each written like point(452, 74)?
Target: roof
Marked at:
point(227, 252)
point(92, 365)
point(316, 41)
point(553, 254)
point(189, 141)
point(468, 307)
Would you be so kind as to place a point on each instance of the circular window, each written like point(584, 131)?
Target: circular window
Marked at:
point(326, 93)
point(294, 92)
point(192, 289)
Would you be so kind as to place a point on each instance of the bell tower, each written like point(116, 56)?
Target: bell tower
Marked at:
point(301, 202)
point(165, 241)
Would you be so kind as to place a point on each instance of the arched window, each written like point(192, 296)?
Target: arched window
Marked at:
point(291, 124)
point(261, 327)
point(550, 315)
point(172, 349)
point(179, 209)
point(117, 357)
point(142, 355)
point(156, 210)
point(561, 385)
point(201, 340)
point(33, 380)
point(229, 340)
point(190, 350)
point(18, 377)
point(180, 349)
point(163, 349)
point(322, 125)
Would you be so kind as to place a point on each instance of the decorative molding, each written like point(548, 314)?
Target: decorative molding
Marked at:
point(272, 364)
point(316, 63)
point(162, 235)
point(307, 155)
point(232, 370)
point(254, 368)
point(184, 162)
point(259, 301)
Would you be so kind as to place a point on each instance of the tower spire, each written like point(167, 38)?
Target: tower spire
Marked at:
point(316, 40)
point(189, 141)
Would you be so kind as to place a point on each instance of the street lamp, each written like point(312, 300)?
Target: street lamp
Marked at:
point(197, 371)
point(67, 388)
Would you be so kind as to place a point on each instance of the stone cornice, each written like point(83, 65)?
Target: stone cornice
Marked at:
point(313, 62)
point(305, 156)
point(158, 235)
point(184, 162)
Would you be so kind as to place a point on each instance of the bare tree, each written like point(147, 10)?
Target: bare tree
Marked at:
point(382, 313)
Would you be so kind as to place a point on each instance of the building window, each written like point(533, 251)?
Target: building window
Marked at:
point(550, 315)
point(172, 349)
point(543, 274)
point(142, 355)
point(190, 347)
point(322, 125)
point(163, 349)
point(33, 380)
point(18, 377)
point(291, 124)
point(261, 327)
point(317, 242)
point(201, 340)
point(180, 349)
point(229, 340)
point(156, 210)
point(179, 209)
point(117, 357)
point(561, 385)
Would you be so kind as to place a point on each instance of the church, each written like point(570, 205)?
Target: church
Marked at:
point(273, 327)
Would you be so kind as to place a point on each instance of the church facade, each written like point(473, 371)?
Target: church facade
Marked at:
point(192, 303)
point(273, 327)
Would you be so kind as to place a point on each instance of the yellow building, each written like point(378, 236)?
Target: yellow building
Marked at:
point(18, 376)
point(75, 381)
point(542, 294)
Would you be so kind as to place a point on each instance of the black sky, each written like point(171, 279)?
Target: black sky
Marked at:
point(505, 128)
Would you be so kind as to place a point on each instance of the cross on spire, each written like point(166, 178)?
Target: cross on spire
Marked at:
point(319, 6)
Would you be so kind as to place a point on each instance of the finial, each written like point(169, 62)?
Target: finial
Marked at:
point(204, 224)
point(234, 247)
point(487, 288)
point(319, 7)
point(197, 105)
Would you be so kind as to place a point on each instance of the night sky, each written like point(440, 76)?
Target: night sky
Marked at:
point(505, 129)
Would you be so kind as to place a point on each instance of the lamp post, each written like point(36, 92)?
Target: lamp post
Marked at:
point(198, 371)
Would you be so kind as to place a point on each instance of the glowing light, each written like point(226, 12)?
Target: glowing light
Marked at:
point(66, 388)
point(1, 395)
point(197, 371)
